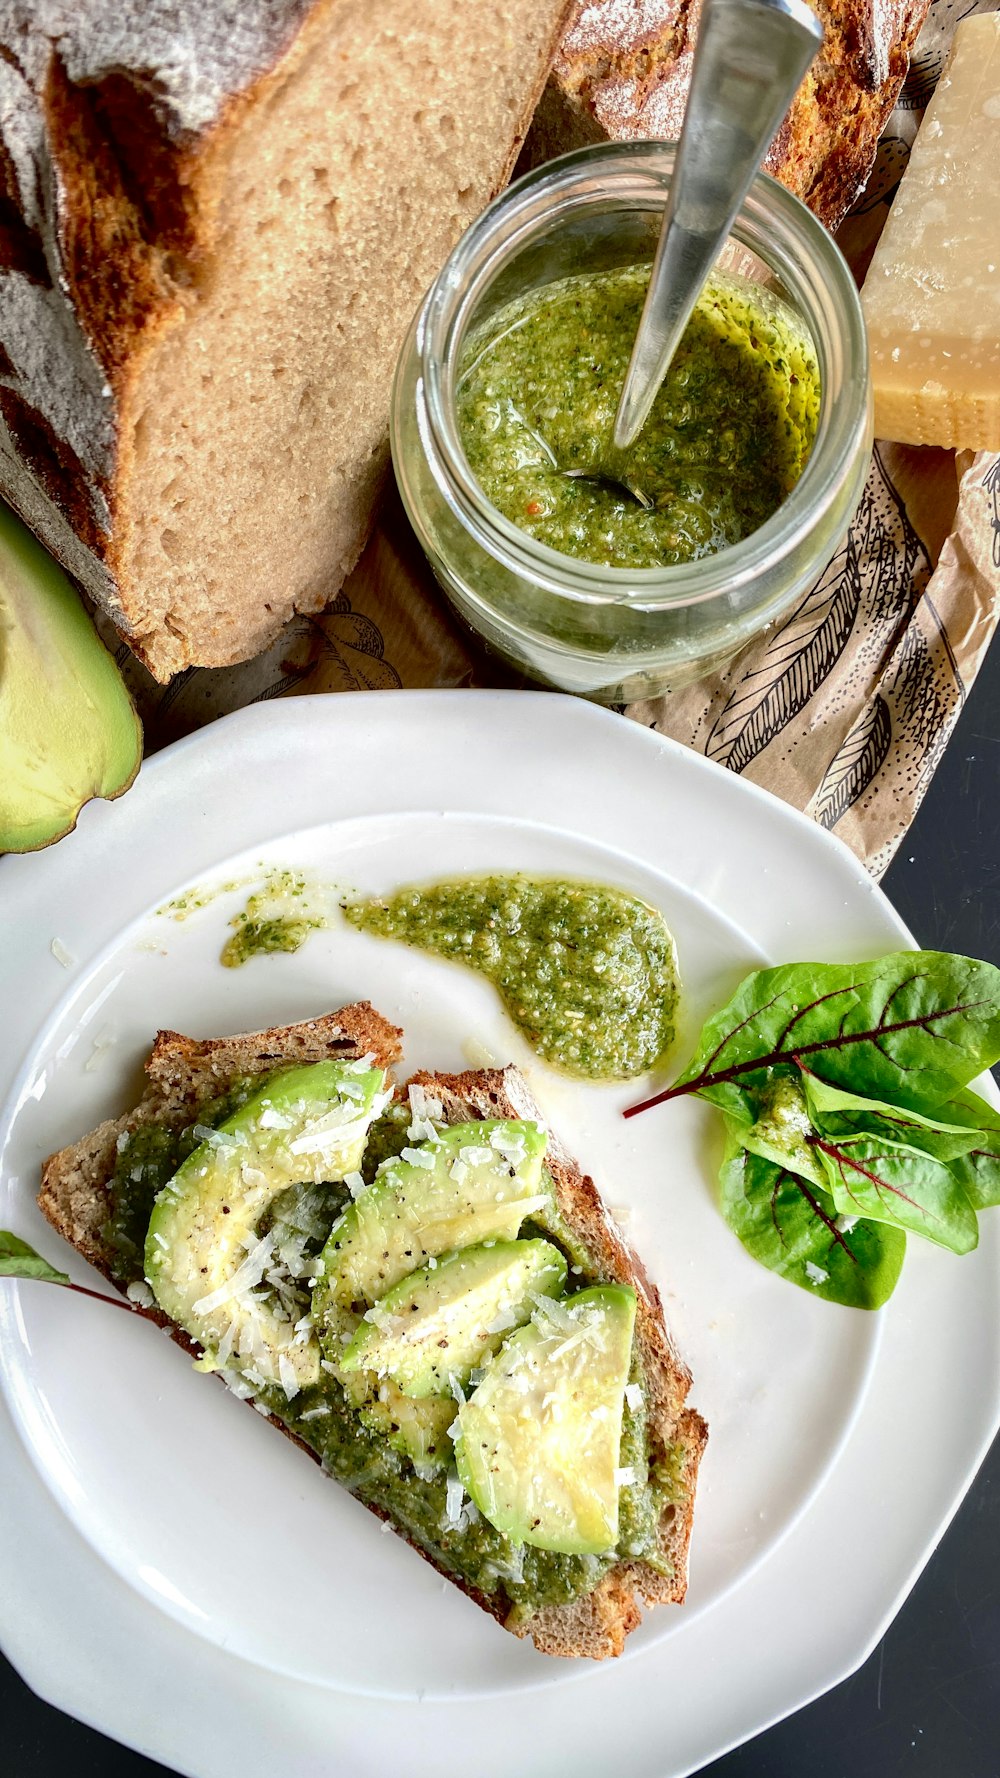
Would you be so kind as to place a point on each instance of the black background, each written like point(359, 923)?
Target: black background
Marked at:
point(927, 1703)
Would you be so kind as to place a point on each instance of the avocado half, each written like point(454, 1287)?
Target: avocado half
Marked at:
point(68, 728)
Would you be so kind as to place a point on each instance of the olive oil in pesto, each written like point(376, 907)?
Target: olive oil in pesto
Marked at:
point(587, 973)
point(278, 917)
point(727, 438)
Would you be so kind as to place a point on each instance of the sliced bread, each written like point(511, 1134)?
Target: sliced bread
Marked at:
point(623, 70)
point(184, 1072)
point(218, 220)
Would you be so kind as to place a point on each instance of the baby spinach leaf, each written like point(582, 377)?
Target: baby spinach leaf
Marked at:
point(907, 1029)
point(18, 1260)
point(888, 1182)
point(793, 1228)
point(839, 1113)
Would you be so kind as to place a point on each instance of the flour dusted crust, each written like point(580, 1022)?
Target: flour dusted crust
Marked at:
point(216, 220)
point(182, 1071)
point(623, 70)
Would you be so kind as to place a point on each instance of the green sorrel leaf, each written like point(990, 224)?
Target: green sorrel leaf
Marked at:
point(887, 1182)
point(18, 1260)
point(908, 1029)
point(835, 1112)
point(793, 1229)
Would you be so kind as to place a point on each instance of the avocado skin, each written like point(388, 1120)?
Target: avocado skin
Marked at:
point(68, 728)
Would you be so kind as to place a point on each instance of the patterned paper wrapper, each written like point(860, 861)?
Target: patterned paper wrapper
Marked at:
point(844, 709)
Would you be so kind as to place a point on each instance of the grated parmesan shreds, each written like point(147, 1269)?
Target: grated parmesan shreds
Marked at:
point(61, 955)
point(454, 1494)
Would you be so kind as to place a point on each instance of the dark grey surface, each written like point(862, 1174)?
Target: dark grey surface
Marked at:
point(927, 1703)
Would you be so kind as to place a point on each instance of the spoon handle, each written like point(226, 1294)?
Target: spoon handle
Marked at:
point(749, 59)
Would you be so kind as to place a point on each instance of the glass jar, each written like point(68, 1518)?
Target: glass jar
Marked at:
point(620, 633)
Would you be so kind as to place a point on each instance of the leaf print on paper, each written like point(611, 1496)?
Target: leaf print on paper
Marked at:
point(895, 565)
point(855, 765)
point(926, 693)
point(353, 644)
point(795, 663)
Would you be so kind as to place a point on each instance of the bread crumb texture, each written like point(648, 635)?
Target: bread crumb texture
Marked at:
point(220, 219)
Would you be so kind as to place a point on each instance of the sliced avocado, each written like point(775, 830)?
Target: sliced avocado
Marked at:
point(204, 1260)
point(68, 730)
point(540, 1443)
point(438, 1324)
point(473, 1182)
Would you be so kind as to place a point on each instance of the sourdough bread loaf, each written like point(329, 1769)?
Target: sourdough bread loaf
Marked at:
point(216, 220)
point(623, 69)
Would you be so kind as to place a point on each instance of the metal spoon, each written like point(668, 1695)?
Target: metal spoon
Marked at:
point(749, 59)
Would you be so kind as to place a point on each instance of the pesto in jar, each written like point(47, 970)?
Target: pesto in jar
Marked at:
point(587, 973)
point(726, 440)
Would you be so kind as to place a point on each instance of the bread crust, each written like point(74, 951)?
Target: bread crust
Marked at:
point(623, 71)
point(182, 1071)
point(113, 169)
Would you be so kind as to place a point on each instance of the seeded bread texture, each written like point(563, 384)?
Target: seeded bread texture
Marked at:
point(623, 70)
point(184, 1071)
point(217, 218)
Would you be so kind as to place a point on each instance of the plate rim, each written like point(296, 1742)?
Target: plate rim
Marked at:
point(289, 715)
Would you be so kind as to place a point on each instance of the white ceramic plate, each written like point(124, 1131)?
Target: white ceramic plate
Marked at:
point(150, 1501)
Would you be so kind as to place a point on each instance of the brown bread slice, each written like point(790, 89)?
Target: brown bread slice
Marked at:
point(623, 70)
point(183, 1072)
point(218, 218)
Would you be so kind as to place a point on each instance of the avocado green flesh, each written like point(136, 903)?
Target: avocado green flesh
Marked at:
point(541, 1435)
point(147, 1157)
point(438, 1324)
point(396, 1452)
point(468, 1191)
point(361, 1459)
point(205, 1257)
point(68, 730)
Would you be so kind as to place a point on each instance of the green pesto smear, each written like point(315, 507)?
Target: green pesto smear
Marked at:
point(353, 1444)
point(278, 917)
point(725, 442)
point(587, 973)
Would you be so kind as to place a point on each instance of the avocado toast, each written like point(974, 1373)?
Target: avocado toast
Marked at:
point(421, 1288)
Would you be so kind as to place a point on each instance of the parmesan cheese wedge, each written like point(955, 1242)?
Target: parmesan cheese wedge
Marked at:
point(932, 295)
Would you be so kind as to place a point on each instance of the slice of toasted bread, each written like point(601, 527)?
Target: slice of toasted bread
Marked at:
point(184, 1072)
point(598, 1624)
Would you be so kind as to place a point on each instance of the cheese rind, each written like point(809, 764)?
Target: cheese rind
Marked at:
point(932, 295)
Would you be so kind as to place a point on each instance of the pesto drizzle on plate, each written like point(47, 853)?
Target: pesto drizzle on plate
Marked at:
point(727, 438)
point(587, 973)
